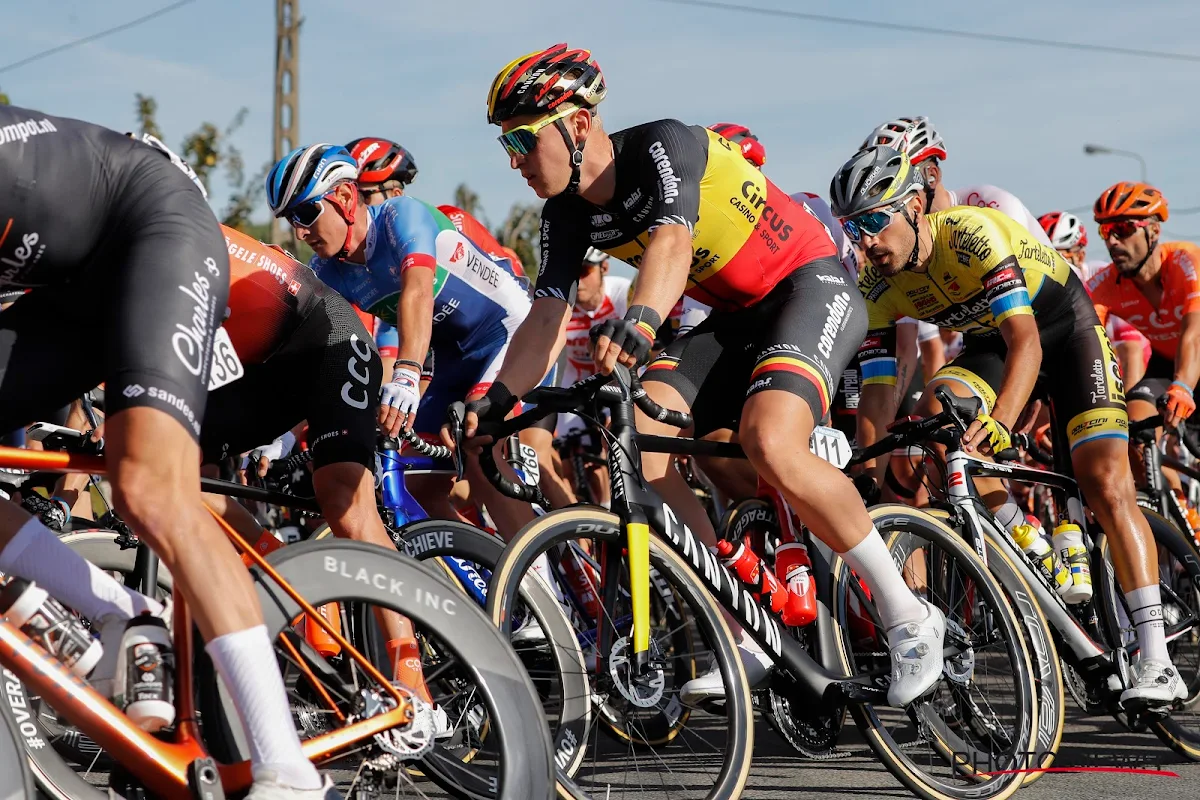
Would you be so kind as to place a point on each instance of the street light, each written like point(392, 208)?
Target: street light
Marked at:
point(1101, 150)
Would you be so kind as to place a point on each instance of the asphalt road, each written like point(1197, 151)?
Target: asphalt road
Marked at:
point(778, 775)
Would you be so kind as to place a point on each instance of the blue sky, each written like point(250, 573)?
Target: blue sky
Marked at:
point(1015, 116)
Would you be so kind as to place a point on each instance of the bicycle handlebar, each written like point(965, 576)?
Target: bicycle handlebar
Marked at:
point(426, 448)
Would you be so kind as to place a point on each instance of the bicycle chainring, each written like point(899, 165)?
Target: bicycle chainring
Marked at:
point(813, 735)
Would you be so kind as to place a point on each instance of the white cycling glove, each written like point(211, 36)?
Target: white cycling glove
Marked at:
point(404, 392)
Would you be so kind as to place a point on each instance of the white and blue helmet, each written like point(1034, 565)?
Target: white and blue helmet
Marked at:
point(307, 174)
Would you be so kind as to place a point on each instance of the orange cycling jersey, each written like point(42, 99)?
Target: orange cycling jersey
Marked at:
point(1180, 286)
point(747, 233)
point(269, 294)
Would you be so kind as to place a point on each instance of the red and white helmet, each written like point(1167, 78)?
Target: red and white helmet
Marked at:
point(914, 136)
point(752, 149)
point(1065, 230)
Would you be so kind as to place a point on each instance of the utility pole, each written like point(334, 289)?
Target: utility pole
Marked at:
point(287, 105)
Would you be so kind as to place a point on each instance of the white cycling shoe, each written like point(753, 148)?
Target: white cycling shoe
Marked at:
point(267, 786)
point(710, 686)
point(916, 651)
point(1157, 684)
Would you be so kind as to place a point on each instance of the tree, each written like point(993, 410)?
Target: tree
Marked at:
point(520, 231)
point(145, 108)
point(467, 200)
point(3, 99)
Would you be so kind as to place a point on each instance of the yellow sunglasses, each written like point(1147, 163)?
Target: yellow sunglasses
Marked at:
point(521, 141)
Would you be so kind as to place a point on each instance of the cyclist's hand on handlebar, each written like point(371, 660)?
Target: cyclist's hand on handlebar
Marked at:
point(398, 401)
point(1180, 404)
point(491, 407)
point(626, 341)
point(987, 435)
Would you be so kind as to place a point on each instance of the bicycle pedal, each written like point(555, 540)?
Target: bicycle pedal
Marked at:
point(204, 781)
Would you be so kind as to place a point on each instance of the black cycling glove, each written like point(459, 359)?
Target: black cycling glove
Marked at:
point(634, 333)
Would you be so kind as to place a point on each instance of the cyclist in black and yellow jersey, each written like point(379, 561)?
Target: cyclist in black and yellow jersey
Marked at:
point(681, 204)
point(1020, 308)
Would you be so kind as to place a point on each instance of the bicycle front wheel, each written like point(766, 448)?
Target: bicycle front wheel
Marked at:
point(660, 746)
point(16, 782)
point(974, 737)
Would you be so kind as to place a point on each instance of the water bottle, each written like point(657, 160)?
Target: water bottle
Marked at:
point(147, 664)
point(1044, 557)
point(30, 608)
point(793, 563)
point(763, 584)
point(1068, 541)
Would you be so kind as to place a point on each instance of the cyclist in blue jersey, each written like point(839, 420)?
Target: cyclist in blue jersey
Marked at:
point(405, 262)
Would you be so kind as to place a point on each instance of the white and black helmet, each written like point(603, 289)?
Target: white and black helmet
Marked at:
point(594, 256)
point(915, 136)
point(876, 177)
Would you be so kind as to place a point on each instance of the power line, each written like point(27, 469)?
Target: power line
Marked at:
point(991, 37)
point(95, 36)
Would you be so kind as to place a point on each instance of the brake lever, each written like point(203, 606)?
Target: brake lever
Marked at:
point(456, 414)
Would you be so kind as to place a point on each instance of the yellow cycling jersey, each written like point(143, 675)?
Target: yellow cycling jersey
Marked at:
point(985, 268)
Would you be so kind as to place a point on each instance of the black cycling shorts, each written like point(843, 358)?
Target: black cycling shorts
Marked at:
point(328, 372)
point(1160, 372)
point(799, 338)
point(138, 314)
point(1080, 373)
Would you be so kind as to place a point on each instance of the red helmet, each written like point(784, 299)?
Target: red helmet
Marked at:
point(1065, 230)
point(382, 160)
point(1129, 199)
point(540, 81)
point(752, 149)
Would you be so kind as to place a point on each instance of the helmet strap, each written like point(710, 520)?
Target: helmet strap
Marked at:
point(576, 156)
point(913, 256)
point(1151, 245)
point(347, 213)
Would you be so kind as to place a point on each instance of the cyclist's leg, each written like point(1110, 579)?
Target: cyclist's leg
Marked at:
point(166, 292)
point(33, 342)
point(815, 332)
point(734, 477)
point(1097, 429)
point(1142, 402)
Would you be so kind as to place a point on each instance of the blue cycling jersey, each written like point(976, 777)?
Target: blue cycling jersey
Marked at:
point(477, 303)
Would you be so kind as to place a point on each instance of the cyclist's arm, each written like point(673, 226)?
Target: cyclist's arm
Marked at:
point(414, 315)
point(664, 269)
point(933, 353)
point(877, 400)
point(906, 355)
point(535, 345)
point(1187, 358)
point(1021, 367)
point(411, 232)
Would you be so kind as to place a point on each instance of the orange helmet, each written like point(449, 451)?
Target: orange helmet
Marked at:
point(1129, 199)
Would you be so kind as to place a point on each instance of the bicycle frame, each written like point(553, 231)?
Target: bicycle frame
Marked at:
point(161, 765)
point(642, 509)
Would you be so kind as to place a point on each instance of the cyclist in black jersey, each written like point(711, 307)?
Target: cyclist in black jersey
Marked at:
point(115, 240)
point(681, 203)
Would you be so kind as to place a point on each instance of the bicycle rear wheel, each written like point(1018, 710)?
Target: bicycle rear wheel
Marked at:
point(664, 748)
point(470, 668)
point(974, 737)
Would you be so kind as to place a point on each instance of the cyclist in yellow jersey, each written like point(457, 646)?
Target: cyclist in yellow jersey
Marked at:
point(1020, 307)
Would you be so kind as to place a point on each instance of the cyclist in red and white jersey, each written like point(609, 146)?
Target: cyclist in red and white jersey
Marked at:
point(1069, 238)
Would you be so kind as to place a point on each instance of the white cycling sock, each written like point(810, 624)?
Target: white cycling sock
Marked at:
point(246, 662)
point(1010, 515)
point(1145, 611)
point(873, 563)
point(36, 554)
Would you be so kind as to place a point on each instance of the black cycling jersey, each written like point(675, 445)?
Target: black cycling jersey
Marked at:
point(125, 259)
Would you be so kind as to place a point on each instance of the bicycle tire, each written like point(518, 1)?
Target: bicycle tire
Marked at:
point(16, 779)
point(52, 771)
point(470, 543)
point(1043, 654)
point(897, 518)
point(326, 571)
point(1182, 740)
point(595, 523)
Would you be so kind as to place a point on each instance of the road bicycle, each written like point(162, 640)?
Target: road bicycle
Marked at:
point(1095, 639)
point(638, 681)
point(356, 711)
